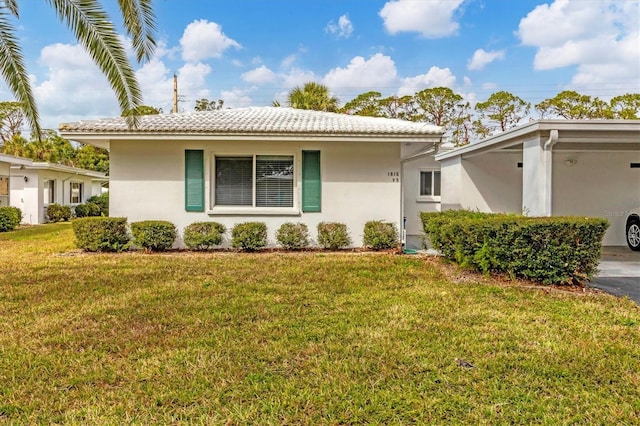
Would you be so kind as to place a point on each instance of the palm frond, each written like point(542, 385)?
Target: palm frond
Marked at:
point(12, 6)
point(140, 23)
point(15, 74)
point(93, 29)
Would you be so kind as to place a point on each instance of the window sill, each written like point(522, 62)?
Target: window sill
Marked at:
point(427, 199)
point(254, 211)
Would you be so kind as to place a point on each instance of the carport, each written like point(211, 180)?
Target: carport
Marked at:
point(550, 168)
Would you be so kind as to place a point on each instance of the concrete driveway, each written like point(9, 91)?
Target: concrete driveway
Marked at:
point(619, 272)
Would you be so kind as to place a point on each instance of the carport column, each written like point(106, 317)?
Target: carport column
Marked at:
point(537, 157)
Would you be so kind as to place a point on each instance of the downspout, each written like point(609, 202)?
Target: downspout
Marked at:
point(547, 152)
point(433, 149)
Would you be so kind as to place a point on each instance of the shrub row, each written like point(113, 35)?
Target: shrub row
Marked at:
point(110, 234)
point(10, 217)
point(98, 205)
point(551, 250)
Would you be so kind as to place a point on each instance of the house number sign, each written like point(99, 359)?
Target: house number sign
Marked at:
point(395, 176)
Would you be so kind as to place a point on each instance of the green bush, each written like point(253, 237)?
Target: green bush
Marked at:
point(101, 233)
point(88, 209)
point(203, 235)
point(551, 250)
point(154, 235)
point(102, 201)
point(333, 235)
point(57, 212)
point(380, 235)
point(10, 217)
point(249, 236)
point(293, 236)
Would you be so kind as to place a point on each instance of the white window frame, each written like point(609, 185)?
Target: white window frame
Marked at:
point(80, 192)
point(429, 198)
point(51, 191)
point(253, 209)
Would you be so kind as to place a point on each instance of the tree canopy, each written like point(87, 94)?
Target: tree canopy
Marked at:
point(94, 29)
point(313, 96)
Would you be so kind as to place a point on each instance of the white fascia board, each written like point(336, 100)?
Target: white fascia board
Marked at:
point(15, 161)
point(540, 128)
point(66, 169)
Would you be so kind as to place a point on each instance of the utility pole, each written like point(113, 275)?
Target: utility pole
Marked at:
point(175, 94)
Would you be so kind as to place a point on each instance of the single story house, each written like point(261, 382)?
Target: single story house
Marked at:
point(268, 164)
point(550, 168)
point(34, 185)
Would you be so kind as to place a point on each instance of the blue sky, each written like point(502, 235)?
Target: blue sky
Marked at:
point(252, 52)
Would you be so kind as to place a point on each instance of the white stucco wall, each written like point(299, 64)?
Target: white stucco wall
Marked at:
point(490, 183)
point(147, 182)
point(599, 184)
point(413, 202)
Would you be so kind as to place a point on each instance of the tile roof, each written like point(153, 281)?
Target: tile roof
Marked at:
point(256, 120)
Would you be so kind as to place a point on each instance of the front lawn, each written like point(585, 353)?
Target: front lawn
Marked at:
point(306, 338)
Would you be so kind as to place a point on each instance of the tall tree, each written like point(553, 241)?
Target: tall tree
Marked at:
point(572, 105)
point(626, 107)
point(313, 96)
point(205, 104)
point(94, 29)
point(143, 110)
point(366, 104)
point(11, 120)
point(438, 105)
point(500, 112)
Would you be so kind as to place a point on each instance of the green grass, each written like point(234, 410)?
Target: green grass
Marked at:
point(304, 338)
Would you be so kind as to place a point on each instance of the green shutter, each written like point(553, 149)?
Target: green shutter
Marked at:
point(311, 183)
point(194, 180)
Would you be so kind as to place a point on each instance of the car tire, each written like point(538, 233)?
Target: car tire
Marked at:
point(633, 234)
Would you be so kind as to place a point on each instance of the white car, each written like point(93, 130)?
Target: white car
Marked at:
point(633, 230)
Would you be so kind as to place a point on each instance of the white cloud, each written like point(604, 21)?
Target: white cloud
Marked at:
point(259, 75)
point(236, 98)
point(156, 82)
point(378, 72)
point(74, 87)
point(432, 19)
point(489, 86)
point(343, 29)
point(296, 77)
point(192, 84)
point(482, 58)
point(435, 77)
point(288, 61)
point(203, 39)
point(599, 37)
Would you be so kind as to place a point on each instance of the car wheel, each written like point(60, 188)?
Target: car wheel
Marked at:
point(633, 234)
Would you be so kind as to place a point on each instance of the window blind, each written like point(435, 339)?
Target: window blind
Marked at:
point(274, 181)
point(234, 181)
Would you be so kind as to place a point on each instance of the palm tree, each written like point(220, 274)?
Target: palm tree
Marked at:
point(313, 96)
point(93, 29)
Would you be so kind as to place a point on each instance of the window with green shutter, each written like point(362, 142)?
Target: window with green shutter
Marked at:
point(194, 180)
point(311, 183)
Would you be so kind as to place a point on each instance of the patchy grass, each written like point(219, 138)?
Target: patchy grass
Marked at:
point(304, 338)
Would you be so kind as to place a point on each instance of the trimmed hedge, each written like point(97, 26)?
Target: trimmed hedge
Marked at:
point(203, 235)
point(57, 212)
point(379, 235)
point(10, 217)
point(333, 235)
point(87, 209)
point(293, 236)
point(101, 233)
point(551, 250)
point(154, 235)
point(249, 236)
point(102, 201)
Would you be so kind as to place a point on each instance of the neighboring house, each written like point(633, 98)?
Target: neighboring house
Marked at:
point(35, 185)
point(6, 161)
point(550, 168)
point(267, 164)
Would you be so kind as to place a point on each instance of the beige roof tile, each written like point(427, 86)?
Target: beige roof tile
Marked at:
point(256, 120)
